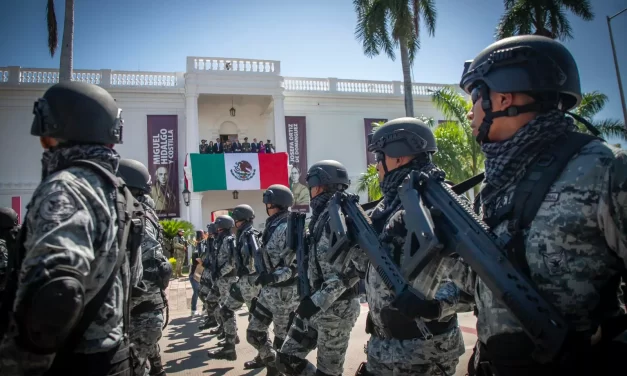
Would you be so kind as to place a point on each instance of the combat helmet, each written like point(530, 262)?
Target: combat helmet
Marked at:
point(135, 174)
point(211, 229)
point(328, 172)
point(8, 218)
point(538, 66)
point(243, 212)
point(279, 195)
point(78, 112)
point(224, 222)
point(402, 137)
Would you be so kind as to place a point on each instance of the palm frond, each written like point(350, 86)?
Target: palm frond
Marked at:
point(172, 226)
point(53, 32)
point(591, 104)
point(427, 9)
point(452, 104)
point(611, 128)
point(581, 8)
point(368, 182)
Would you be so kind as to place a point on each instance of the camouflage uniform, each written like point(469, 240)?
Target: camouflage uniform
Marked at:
point(575, 247)
point(245, 289)
point(180, 251)
point(334, 293)
point(4, 259)
point(71, 223)
point(147, 310)
point(278, 299)
point(209, 293)
point(225, 278)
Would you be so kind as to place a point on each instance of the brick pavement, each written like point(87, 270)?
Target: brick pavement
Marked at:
point(184, 349)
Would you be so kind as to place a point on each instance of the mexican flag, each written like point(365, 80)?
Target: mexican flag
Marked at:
point(237, 171)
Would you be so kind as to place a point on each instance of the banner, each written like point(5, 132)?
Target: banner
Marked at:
point(16, 204)
point(296, 131)
point(163, 164)
point(368, 128)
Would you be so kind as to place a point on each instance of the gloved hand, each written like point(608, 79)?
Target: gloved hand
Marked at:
point(264, 279)
point(307, 308)
point(411, 306)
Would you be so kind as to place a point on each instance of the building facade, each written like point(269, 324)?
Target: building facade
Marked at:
point(166, 115)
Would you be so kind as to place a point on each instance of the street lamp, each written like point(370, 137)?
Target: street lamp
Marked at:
point(620, 83)
point(186, 194)
point(235, 195)
point(232, 110)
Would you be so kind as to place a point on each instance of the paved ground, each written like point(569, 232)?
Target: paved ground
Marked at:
point(184, 349)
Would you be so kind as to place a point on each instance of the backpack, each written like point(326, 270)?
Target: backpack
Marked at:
point(130, 220)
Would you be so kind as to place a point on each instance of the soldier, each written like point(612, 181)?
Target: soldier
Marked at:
point(8, 232)
point(327, 316)
point(179, 244)
point(70, 309)
point(225, 275)
point(209, 293)
point(571, 240)
point(397, 344)
point(147, 310)
point(278, 296)
point(203, 147)
point(245, 289)
point(246, 146)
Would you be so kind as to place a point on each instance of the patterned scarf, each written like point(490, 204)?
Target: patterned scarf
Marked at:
point(389, 187)
point(318, 204)
point(506, 161)
point(60, 158)
point(271, 223)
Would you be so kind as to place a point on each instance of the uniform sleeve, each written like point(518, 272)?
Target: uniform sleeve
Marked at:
point(279, 241)
point(229, 265)
point(334, 284)
point(612, 208)
point(4, 257)
point(176, 243)
point(60, 235)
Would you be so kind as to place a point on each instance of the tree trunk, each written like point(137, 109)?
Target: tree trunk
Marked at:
point(407, 84)
point(67, 44)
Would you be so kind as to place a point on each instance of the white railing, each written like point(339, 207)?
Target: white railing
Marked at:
point(203, 64)
point(335, 85)
point(103, 77)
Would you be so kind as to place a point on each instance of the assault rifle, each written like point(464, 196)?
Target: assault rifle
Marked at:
point(431, 207)
point(296, 240)
point(361, 231)
point(253, 245)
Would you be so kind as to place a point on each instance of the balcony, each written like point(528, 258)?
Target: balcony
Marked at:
point(233, 65)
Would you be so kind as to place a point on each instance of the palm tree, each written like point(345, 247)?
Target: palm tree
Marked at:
point(591, 104)
point(541, 17)
point(387, 24)
point(459, 155)
point(67, 44)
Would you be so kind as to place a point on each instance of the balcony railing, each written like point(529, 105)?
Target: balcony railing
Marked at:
point(336, 85)
point(234, 65)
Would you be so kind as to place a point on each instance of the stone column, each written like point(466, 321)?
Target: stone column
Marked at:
point(195, 208)
point(191, 143)
point(280, 140)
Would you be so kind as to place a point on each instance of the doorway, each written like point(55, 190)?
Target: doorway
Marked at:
point(228, 137)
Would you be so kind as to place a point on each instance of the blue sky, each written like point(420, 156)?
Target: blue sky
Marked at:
point(310, 38)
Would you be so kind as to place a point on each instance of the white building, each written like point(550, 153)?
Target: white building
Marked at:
point(336, 113)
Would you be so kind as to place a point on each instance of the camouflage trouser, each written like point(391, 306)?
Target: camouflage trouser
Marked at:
point(274, 305)
point(145, 333)
point(438, 356)
point(222, 312)
point(179, 255)
point(243, 291)
point(330, 331)
point(211, 299)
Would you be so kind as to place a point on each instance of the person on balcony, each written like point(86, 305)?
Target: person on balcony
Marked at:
point(210, 148)
point(217, 147)
point(228, 147)
point(262, 147)
point(246, 146)
point(269, 147)
point(254, 147)
point(237, 146)
point(202, 148)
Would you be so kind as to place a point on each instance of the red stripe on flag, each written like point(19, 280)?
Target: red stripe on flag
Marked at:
point(273, 169)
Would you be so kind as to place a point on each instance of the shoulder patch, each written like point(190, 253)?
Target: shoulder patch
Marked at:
point(57, 206)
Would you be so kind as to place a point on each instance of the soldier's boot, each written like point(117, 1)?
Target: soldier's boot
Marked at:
point(255, 363)
point(270, 364)
point(156, 368)
point(224, 342)
point(218, 330)
point(221, 336)
point(209, 323)
point(225, 353)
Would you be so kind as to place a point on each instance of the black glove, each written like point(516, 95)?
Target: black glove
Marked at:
point(264, 279)
point(307, 308)
point(411, 306)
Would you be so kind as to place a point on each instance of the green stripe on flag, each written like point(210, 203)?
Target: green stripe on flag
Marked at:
point(208, 173)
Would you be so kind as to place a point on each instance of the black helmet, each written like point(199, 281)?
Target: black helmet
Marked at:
point(526, 64)
point(402, 137)
point(211, 228)
point(135, 174)
point(279, 195)
point(243, 212)
point(8, 218)
point(328, 172)
point(224, 222)
point(79, 112)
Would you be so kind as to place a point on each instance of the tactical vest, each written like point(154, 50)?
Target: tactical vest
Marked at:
point(266, 235)
point(130, 221)
point(163, 267)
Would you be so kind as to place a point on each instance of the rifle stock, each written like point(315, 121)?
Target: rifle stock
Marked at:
point(297, 238)
point(463, 233)
point(253, 244)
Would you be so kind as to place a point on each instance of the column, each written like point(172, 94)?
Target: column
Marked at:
point(280, 141)
point(195, 209)
point(191, 141)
